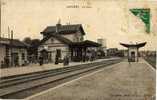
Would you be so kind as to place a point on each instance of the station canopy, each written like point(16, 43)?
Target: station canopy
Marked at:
point(138, 45)
point(86, 43)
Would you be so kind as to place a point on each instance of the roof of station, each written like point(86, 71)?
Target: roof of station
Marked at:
point(13, 42)
point(63, 29)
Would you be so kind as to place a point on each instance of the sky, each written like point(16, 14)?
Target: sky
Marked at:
point(108, 19)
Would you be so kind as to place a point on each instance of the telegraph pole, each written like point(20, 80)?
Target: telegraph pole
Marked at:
point(1, 4)
point(8, 32)
point(11, 45)
point(0, 19)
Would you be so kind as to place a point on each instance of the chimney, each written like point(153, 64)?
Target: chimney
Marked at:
point(58, 25)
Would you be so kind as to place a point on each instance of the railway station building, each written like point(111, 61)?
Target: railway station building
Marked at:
point(13, 52)
point(66, 40)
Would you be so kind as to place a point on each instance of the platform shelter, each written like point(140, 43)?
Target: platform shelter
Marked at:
point(133, 50)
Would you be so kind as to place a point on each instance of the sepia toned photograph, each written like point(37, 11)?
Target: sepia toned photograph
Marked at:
point(78, 49)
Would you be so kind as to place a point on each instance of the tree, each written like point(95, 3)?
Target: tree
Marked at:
point(34, 43)
point(27, 40)
point(34, 46)
point(33, 49)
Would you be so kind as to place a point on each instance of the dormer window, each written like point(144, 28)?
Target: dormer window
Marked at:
point(81, 38)
point(52, 40)
point(77, 39)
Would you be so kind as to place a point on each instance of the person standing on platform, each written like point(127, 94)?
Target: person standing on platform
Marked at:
point(66, 60)
point(41, 60)
point(56, 59)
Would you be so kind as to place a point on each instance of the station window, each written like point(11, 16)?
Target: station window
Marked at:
point(23, 56)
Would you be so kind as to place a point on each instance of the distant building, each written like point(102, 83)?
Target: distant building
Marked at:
point(112, 51)
point(122, 53)
point(62, 40)
point(13, 52)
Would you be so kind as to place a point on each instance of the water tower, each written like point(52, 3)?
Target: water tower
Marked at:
point(103, 47)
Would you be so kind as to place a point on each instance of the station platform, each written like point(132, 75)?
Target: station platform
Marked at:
point(36, 68)
point(122, 81)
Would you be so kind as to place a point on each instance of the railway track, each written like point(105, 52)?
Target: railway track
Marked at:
point(22, 86)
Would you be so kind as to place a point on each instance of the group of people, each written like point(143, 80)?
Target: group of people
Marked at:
point(65, 60)
point(7, 63)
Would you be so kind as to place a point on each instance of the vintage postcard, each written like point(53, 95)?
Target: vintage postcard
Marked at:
point(78, 49)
